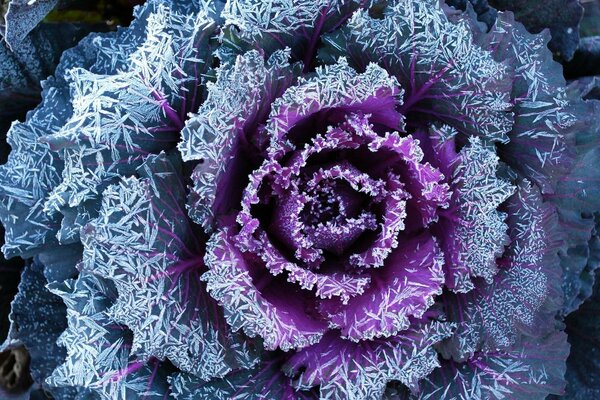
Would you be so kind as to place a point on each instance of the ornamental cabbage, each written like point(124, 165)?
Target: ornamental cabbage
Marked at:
point(356, 199)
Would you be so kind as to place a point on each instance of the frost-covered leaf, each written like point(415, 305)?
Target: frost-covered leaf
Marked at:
point(444, 74)
point(541, 139)
point(485, 13)
point(338, 88)
point(577, 198)
point(21, 16)
point(529, 371)
point(265, 381)
point(276, 24)
point(361, 371)
point(221, 132)
point(560, 16)
point(266, 311)
point(143, 242)
point(524, 296)
point(32, 171)
point(118, 119)
point(472, 241)
point(99, 349)
point(38, 317)
point(23, 68)
point(405, 287)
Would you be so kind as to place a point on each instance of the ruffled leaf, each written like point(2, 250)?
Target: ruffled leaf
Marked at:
point(118, 119)
point(98, 349)
point(361, 371)
point(24, 67)
point(445, 75)
point(142, 242)
point(21, 17)
point(219, 134)
point(341, 89)
point(577, 197)
point(477, 235)
point(276, 24)
point(405, 287)
point(265, 381)
point(32, 171)
point(525, 294)
point(529, 371)
point(560, 16)
point(541, 139)
point(579, 257)
point(279, 318)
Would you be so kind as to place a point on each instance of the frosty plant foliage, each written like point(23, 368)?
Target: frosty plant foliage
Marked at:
point(301, 200)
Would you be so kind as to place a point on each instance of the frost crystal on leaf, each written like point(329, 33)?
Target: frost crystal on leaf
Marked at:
point(524, 295)
point(32, 170)
point(528, 371)
point(119, 119)
point(230, 283)
point(336, 86)
point(273, 24)
point(216, 136)
point(348, 370)
point(98, 349)
point(143, 243)
point(305, 199)
point(541, 139)
point(478, 236)
point(21, 16)
point(443, 72)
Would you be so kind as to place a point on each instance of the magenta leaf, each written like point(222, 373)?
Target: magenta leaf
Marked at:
point(348, 370)
point(220, 133)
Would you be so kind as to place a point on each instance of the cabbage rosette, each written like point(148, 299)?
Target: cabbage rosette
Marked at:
point(302, 200)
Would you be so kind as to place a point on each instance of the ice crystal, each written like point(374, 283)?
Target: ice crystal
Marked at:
point(143, 243)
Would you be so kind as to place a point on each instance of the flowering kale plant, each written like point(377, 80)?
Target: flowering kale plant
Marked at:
point(312, 199)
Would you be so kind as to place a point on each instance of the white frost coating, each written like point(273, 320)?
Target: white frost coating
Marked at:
point(258, 17)
point(362, 371)
point(98, 351)
point(337, 85)
point(493, 315)
point(21, 17)
point(298, 24)
point(32, 170)
point(435, 61)
point(229, 282)
point(481, 232)
point(118, 119)
point(523, 288)
point(528, 371)
point(138, 242)
point(242, 92)
point(540, 147)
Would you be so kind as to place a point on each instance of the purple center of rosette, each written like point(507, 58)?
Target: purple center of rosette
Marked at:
point(329, 213)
